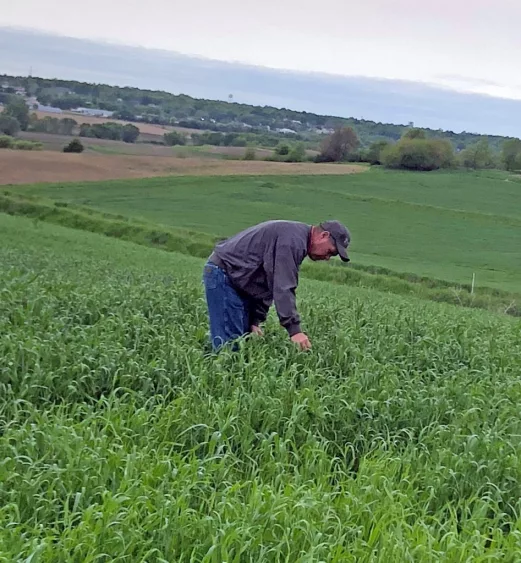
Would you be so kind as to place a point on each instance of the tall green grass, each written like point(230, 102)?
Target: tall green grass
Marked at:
point(397, 438)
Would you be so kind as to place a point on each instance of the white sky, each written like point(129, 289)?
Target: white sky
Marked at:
point(468, 45)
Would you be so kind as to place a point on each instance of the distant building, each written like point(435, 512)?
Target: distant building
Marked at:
point(286, 131)
point(324, 131)
point(93, 112)
point(48, 109)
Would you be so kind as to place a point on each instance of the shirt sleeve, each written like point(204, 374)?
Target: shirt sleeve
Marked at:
point(284, 281)
point(260, 310)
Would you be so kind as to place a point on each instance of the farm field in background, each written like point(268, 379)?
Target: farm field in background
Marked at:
point(395, 439)
point(22, 167)
point(53, 142)
point(145, 128)
point(442, 225)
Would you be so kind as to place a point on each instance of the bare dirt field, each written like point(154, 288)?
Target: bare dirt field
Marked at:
point(26, 167)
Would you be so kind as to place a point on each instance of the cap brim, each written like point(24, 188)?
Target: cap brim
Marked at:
point(342, 252)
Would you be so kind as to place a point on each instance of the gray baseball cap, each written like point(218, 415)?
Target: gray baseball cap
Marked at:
point(340, 235)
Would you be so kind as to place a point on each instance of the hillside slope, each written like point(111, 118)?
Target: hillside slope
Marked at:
point(447, 225)
point(396, 438)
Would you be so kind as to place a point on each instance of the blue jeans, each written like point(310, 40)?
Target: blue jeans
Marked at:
point(229, 312)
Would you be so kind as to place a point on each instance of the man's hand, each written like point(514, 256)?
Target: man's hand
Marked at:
point(302, 340)
point(256, 330)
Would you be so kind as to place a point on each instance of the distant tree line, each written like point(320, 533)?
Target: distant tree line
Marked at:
point(16, 117)
point(217, 139)
point(52, 125)
point(406, 148)
point(113, 131)
point(151, 106)
point(415, 151)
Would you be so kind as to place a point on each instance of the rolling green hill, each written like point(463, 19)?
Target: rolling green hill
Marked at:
point(447, 225)
point(154, 106)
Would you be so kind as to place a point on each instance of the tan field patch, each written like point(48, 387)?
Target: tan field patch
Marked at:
point(25, 167)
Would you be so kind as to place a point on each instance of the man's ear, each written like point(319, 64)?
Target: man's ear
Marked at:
point(325, 234)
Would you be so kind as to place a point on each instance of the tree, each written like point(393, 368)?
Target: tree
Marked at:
point(297, 153)
point(174, 138)
point(478, 156)
point(282, 149)
point(75, 146)
point(124, 114)
point(374, 153)
point(46, 125)
point(511, 154)
point(414, 133)
point(130, 133)
point(66, 102)
point(67, 125)
point(249, 154)
point(33, 121)
point(85, 130)
point(229, 139)
point(209, 138)
point(418, 154)
point(31, 87)
point(337, 147)
point(109, 130)
point(9, 125)
point(17, 108)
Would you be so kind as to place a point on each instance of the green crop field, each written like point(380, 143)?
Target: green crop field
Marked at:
point(447, 225)
point(397, 438)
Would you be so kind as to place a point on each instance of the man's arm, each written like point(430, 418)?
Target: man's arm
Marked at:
point(259, 312)
point(284, 283)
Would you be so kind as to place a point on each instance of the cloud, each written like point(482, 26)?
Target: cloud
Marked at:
point(383, 100)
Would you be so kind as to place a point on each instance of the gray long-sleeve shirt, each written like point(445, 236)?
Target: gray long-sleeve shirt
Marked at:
point(263, 262)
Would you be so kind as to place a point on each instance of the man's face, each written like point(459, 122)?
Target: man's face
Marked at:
point(322, 246)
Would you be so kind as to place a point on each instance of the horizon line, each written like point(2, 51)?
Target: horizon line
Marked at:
point(238, 63)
